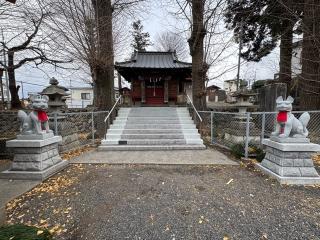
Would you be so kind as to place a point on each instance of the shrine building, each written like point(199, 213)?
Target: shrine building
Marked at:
point(157, 78)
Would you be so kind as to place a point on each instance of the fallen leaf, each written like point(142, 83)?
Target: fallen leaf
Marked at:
point(226, 237)
point(42, 221)
point(230, 181)
point(39, 232)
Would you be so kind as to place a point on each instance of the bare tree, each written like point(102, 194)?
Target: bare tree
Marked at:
point(209, 43)
point(82, 25)
point(170, 41)
point(27, 42)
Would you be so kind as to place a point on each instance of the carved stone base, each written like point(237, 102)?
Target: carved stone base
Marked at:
point(34, 159)
point(290, 163)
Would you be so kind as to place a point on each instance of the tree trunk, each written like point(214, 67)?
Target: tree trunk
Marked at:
point(13, 88)
point(310, 77)
point(196, 51)
point(286, 53)
point(104, 71)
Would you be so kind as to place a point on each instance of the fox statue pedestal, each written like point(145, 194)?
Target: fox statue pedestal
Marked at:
point(289, 151)
point(36, 157)
point(289, 160)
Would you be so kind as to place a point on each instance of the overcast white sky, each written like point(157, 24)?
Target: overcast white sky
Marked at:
point(158, 20)
point(155, 21)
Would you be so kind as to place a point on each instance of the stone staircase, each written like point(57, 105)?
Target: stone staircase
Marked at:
point(152, 128)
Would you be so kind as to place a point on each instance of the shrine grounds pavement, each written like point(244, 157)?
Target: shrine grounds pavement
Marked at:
point(135, 201)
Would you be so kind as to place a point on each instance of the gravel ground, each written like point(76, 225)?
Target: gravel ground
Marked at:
point(169, 202)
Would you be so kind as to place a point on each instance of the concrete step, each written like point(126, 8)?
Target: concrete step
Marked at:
point(149, 147)
point(152, 131)
point(152, 121)
point(151, 141)
point(152, 136)
point(152, 126)
point(155, 115)
point(153, 118)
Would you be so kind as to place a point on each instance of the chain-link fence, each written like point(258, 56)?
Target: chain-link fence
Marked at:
point(79, 128)
point(243, 133)
point(76, 128)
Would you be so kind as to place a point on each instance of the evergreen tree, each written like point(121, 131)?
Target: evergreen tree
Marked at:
point(262, 23)
point(140, 39)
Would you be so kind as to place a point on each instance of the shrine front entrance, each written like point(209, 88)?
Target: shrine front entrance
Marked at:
point(154, 91)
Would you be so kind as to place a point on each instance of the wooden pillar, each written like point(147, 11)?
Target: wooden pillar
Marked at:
point(143, 91)
point(166, 91)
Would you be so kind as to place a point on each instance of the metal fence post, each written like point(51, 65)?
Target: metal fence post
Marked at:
point(263, 127)
point(211, 125)
point(247, 136)
point(55, 122)
point(92, 126)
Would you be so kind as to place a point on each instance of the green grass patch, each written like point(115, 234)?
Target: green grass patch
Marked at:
point(23, 232)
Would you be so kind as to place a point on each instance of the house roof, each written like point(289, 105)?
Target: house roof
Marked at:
point(213, 87)
point(81, 88)
point(154, 60)
point(230, 80)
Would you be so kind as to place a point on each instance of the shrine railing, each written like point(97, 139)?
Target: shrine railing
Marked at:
point(194, 108)
point(111, 114)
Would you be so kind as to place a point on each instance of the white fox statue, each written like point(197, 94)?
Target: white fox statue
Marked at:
point(287, 124)
point(33, 122)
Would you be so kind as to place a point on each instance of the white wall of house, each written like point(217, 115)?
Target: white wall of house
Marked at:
point(230, 86)
point(296, 60)
point(80, 97)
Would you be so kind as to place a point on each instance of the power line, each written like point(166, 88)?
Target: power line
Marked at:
point(35, 84)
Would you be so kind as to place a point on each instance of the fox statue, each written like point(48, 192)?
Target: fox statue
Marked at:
point(287, 124)
point(33, 122)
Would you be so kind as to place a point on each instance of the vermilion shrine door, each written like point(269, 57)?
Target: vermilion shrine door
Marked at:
point(154, 91)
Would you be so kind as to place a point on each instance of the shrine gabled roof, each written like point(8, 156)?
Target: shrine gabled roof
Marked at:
point(154, 60)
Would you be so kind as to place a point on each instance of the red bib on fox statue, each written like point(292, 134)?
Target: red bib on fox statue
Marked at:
point(282, 116)
point(42, 116)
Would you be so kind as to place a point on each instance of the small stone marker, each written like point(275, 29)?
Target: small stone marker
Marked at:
point(36, 155)
point(289, 151)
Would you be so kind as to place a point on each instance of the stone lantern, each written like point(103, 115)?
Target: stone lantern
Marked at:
point(239, 123)
point(57, 95)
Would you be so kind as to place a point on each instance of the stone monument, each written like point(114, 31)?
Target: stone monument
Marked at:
point(289, 151)
point(35, 149)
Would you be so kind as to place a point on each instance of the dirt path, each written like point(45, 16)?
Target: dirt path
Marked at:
point(169, 202)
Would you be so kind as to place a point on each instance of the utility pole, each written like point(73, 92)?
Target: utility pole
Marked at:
point(1, 86)
point(6, 73)
point(239, 57)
